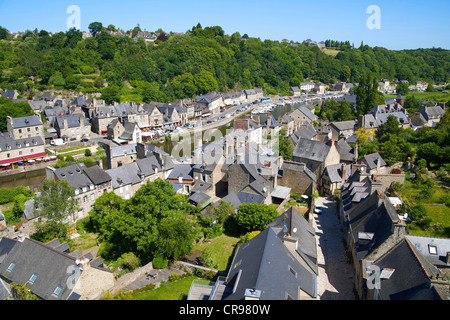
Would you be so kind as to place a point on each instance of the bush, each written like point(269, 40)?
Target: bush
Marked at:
point(160, 262)
point(174, 277)
point(87, 153)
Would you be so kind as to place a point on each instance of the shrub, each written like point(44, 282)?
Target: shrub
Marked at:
point(174, 277)
point(87, 153)
point(160, 262)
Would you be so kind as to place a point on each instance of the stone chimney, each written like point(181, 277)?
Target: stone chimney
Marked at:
point(375, 186)
point(343, 172)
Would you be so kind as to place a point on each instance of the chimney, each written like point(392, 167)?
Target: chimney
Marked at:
point(252, 294)
point(378, 160)
point(375, 186)
point(343, 172)
point(448, 258)
point(331, 142)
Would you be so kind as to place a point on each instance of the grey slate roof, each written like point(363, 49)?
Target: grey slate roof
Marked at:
point(261, 263)
point(73, 121)
point(182, 170)
point(307, 112)
point(29, 121)
point(97, 175)
point(423, 245)
point(372, 159)
point(311, 150)
point(431, 112)
point(75, 176)
point(383, 117)
point(411, 277)
point(32, 257)
point(6, 141)
point(124, 175)
point(344, 125)
point(119, 151)
point(374, 215)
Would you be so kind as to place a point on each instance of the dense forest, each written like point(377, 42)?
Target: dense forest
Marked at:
point(198, 61)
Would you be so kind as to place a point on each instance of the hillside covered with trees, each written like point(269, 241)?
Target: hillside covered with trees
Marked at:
point(198, 61)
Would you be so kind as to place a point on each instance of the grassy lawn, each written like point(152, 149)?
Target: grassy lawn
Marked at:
point(331, 52)
point(439, 214)
point(220, 248)
point(177, 290)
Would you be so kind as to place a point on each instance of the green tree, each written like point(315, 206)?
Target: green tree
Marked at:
point(204, 82)
point(254, 216)
point(390, 126)
point(402, 88)
point(176, 235)
point(110, 94)
point(56, 200)
point(95, 27)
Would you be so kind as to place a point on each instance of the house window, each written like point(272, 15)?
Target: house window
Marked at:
point(432, 249)
point(32, 278)
point(56, 292)
point(11, 267)
point(292, 271)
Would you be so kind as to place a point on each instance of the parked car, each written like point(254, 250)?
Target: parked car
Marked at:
point(318, 209)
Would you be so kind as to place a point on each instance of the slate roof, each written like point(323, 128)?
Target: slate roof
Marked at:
point(124, 175)
point(119, 151)
point(307, 112)
point(334, 172)
point(299, 229)
point(431, 112)
point(29, 121)
point(273, 122)
point(372, 159)
point(73, 121)
point(258, 260)
point(374, 215)
point(411, 277)
point(105, 112)
point(423, 245)
point(7, 141)
point(236, 199)
point(418, 120)
point(199, 198)
point(306, 132)
point(311, 150)
point(182, 170)
point(32, 257)
point(75, 176)
point(97, 175)
point(346, 153)
point(383, 117)
point(343, 125)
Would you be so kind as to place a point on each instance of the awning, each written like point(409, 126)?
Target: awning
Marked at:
point(12, 160)
point(35, 156)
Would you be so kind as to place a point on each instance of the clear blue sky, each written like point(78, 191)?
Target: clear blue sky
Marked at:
point(405, 24)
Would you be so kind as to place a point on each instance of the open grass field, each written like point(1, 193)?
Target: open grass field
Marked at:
point(220, 248)
point(177, 290)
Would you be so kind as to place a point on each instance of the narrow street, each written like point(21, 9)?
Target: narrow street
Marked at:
point(335, 280)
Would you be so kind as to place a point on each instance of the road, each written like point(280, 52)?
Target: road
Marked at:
point(335, 280)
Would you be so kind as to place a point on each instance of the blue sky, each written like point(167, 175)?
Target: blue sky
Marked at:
point(405, 24)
